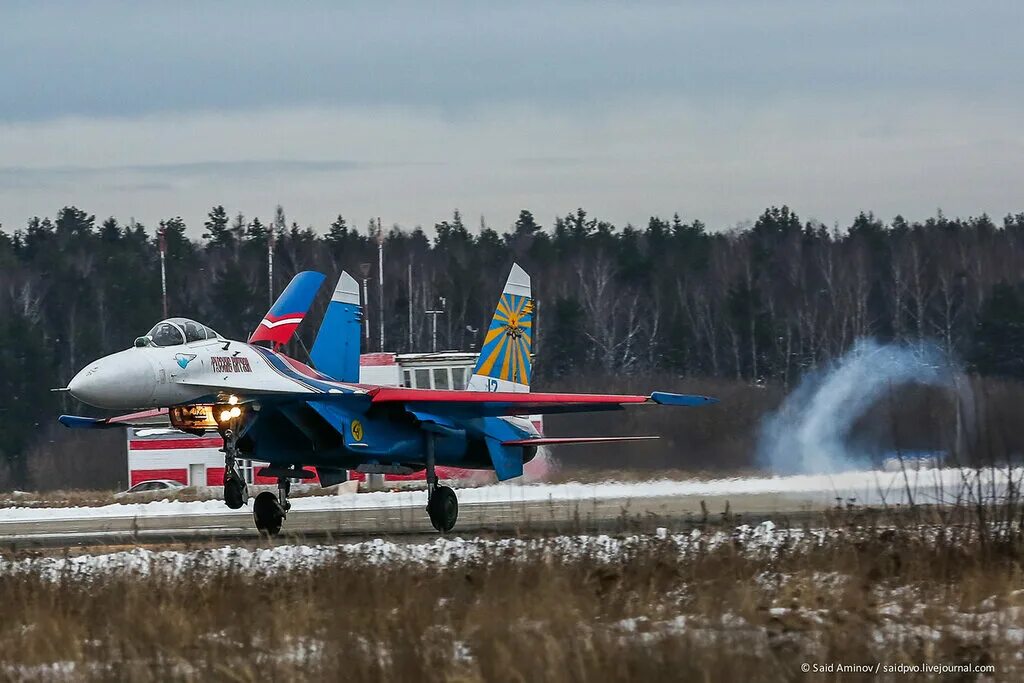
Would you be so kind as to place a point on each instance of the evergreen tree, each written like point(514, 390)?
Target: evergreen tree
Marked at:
point(999, 336)
point(217, 228)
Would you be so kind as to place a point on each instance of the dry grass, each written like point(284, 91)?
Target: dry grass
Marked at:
point(718, 611)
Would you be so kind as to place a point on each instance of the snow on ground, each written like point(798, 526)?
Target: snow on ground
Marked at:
point(438, 552)
point(864, 487)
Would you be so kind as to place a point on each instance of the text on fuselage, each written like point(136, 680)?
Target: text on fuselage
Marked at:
point(230, 364)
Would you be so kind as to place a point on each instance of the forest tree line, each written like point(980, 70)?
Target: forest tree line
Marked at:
point(760, 303)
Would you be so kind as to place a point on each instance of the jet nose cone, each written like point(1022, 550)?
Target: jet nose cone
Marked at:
point(121, 381)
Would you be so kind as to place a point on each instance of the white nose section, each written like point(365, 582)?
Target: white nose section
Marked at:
point(121, 381)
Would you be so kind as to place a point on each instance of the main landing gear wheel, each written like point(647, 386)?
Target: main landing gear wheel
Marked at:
point(442, 504)
point(268, 513)
point(443, 509)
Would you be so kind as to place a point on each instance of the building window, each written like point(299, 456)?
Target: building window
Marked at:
point(407, 376)
point(423, 379)
point(441, 378)
point(245, 466)
point(458, 378)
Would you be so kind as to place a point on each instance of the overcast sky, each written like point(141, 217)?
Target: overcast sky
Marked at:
point(408, 110)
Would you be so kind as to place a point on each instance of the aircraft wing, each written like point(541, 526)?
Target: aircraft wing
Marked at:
point(571, 440)
point(493, 404)
point(146, 418)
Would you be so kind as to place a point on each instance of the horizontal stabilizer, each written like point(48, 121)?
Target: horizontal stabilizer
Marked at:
point(566, 441)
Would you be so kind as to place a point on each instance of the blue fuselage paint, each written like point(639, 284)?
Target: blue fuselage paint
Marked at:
point(328, 433)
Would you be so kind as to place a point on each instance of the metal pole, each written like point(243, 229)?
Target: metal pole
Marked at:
point(366, 318)
point(364, 268)
point(380, 278)
point(433, 325)
point(410, 306)
point(163, 267)
point(270, 266)
point(434, 314)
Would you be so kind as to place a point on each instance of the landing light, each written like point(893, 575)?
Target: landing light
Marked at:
point(227, 414)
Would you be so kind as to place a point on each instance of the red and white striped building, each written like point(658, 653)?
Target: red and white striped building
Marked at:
point(157, 453)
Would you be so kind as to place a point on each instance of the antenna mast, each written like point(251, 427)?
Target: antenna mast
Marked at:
point(270, 265)
point(364, 268)
point(380, 278)
point(410, 304)
point(162, 239)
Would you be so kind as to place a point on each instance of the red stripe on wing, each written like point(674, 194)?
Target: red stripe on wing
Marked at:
point(403, 395)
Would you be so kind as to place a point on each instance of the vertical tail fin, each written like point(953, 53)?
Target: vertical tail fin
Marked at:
point(279, 324)
point(336, 349)
point(505, 363)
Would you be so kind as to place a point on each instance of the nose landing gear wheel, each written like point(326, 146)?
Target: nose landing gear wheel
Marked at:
point(236, 493)
point(235, 490)
point(443, 509)
point(267, 513)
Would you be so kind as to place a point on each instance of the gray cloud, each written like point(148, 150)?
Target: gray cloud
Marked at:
point(125, 59)
point(241, 168)
point(407, 109)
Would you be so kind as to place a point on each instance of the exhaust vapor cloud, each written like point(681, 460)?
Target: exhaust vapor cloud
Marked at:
point(810, 432)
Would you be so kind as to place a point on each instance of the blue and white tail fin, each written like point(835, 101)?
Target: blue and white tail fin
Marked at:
point(504, 363)
point(336, 349)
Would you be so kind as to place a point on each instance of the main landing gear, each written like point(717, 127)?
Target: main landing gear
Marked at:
point(269, 511)
point(442, 504)
point(236, 493)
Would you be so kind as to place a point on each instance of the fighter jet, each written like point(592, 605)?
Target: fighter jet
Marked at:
point(274, 409)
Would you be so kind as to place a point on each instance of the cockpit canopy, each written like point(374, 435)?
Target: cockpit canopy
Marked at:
point(175, 331)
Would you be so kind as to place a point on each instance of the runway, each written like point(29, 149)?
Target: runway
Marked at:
point(516, 517)
point(609, 507)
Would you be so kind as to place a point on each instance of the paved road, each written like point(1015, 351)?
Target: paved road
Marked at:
point(512, 517)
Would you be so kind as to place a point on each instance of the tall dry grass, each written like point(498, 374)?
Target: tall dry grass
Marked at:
point(743, 608)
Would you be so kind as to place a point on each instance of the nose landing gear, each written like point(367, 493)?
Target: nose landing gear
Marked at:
point(236, 493)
